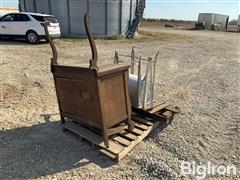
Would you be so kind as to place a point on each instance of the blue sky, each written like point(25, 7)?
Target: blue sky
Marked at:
point(177, 9)
point(189, 9)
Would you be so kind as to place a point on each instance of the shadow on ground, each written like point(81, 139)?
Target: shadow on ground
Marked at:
point(43, 149)
point(17, 41)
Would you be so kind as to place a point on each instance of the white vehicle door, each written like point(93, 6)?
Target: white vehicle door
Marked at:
point(20, 24)
point(5, 24)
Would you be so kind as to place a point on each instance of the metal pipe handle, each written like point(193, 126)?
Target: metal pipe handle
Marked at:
point(93, 61)
point(49, 38)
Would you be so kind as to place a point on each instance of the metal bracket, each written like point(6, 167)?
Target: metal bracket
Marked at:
point(93, 61)
point(52, 45)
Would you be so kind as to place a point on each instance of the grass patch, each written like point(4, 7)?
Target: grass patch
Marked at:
point(142, 35)
point(114, 36)
point(71, 39)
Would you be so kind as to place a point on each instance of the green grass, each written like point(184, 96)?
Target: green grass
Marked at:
point(141, 36)
point(144, 35)
point(71, 39)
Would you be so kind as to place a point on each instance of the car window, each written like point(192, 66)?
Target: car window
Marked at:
point(20, 17)
point(38, 18)
point(51, 19)
point(7, 18)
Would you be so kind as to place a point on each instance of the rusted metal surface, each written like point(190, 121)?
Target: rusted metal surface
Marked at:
point(93, 61)
point(96, 96)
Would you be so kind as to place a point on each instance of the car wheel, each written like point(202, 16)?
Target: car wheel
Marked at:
point(32, 37)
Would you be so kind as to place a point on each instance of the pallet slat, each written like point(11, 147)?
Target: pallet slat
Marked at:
point(173, 109)
point(111, 155)
point(158, 108)
point(128, 135)
point(140, 126)
point(155, 104)
point(136, 142)
point(93, 137)
point(137, 131)
point(121, 140)
point(142, 121)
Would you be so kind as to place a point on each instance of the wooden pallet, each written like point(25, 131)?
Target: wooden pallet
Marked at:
point(161, 111)
point(120, 144)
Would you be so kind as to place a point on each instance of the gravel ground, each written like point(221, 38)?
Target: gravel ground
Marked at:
point(197, 71)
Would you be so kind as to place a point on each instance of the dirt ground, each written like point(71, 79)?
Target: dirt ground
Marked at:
point(199, 71)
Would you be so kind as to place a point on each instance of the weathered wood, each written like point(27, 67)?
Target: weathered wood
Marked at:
point(136, 142)
point(116, 130)
point(140, 126)
point(128, 135)
point(158, 108)
point(173, 109)
point(119, 144)
point(111, 155)
point(121, 140)
point(137, 131)
point(140, 120)
point(155, 104)
point(93, 137)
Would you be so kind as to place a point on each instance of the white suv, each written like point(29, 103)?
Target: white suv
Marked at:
point(28, 25)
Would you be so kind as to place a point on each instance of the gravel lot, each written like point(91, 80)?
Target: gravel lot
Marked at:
point(199, 71)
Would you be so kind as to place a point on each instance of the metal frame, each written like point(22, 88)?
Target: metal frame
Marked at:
point(148, 77)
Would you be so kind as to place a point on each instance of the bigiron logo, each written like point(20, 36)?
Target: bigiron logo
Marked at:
point(204, 170)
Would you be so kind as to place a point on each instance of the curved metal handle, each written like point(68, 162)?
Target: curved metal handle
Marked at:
point(49, 38)
point(93, 61)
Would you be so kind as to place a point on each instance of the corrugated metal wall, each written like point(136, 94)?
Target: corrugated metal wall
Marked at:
point(108, 17)
point(42, 6)
point(60, 11)
point(125, 14)
point(29, 5)
point(113, 11)
point(207, 18)
point(78, 9)
point(238, 20)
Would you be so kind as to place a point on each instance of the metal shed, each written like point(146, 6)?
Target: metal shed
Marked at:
point(212, 18)
point(238, 24)
point(108, 17)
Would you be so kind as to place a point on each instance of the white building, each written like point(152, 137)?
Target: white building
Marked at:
point(211, 19)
